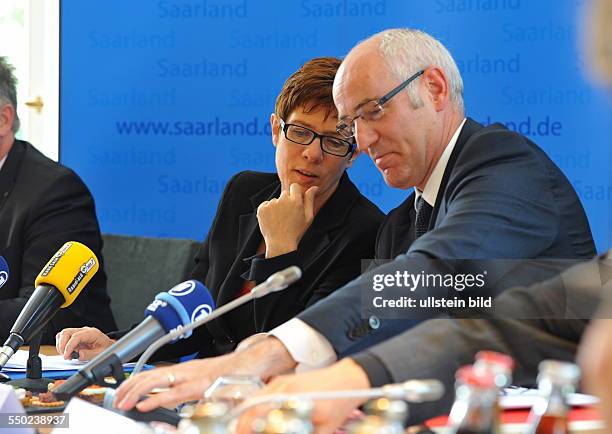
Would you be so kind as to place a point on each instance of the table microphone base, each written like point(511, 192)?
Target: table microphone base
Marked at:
point(32, 384)
point(34, 380)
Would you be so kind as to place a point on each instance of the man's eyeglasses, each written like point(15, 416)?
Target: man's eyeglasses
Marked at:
point(371, 110)
point(305, 136)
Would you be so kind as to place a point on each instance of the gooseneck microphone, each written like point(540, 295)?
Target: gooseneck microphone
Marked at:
point(415, 391)
point(276, 282)
point(58, 284)
point(170, 311)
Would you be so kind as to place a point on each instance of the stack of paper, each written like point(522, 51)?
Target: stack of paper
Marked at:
point(17, 363)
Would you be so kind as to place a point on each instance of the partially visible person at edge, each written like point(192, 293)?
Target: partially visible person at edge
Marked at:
point(42, 206)
point(307, 214)
point(595, 354)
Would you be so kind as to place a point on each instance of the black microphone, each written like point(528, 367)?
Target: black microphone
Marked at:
point(170, 311)
point(57, 286)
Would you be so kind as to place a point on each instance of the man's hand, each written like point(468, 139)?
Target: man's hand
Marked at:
point(87, 341)
point(327, 415)
point(185, 382)
point(284, 221)
point(188, 381)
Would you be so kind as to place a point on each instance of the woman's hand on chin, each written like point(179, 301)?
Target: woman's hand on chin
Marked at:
point(284, 221)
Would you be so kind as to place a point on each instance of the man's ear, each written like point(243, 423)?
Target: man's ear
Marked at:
point(437, 86)
point(7, 116)
point(275, 124)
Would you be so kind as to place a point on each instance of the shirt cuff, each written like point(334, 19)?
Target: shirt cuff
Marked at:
point(308, 348)
point(375, 369)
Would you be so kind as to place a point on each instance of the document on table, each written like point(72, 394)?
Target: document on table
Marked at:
point(18, 363)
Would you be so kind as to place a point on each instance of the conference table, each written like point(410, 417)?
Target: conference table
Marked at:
point(583, 420)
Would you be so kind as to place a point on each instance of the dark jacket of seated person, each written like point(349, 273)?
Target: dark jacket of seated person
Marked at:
point(342, 233)
point(42, 206)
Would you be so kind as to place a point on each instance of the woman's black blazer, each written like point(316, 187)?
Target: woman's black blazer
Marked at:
point(342, 234)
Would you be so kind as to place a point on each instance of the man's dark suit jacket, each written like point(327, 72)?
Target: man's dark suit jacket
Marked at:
point(43, 205)
point(531, 324)
point(330, 253)
point(501, 197)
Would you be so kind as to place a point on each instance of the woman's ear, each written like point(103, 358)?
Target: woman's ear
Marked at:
point(275, 124)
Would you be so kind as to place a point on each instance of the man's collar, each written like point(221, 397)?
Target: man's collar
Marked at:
point(2, 161)
point(430, 193)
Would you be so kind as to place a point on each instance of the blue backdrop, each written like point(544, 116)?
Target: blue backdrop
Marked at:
point(162, 101)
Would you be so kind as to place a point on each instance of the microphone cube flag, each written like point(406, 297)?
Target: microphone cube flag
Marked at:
point(181, 305)
point(195, 299)
point(69, 270)
point(4, 271)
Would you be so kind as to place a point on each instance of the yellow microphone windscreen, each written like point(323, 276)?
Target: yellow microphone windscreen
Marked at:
point(69, 270)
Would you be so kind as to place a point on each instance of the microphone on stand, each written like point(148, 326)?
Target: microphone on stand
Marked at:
point(276, 282)
point(4, 271)
point(58, 284)
point(4, 276)
point(170, 311)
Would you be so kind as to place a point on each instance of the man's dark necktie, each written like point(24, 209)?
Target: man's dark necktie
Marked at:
point(423, 215)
